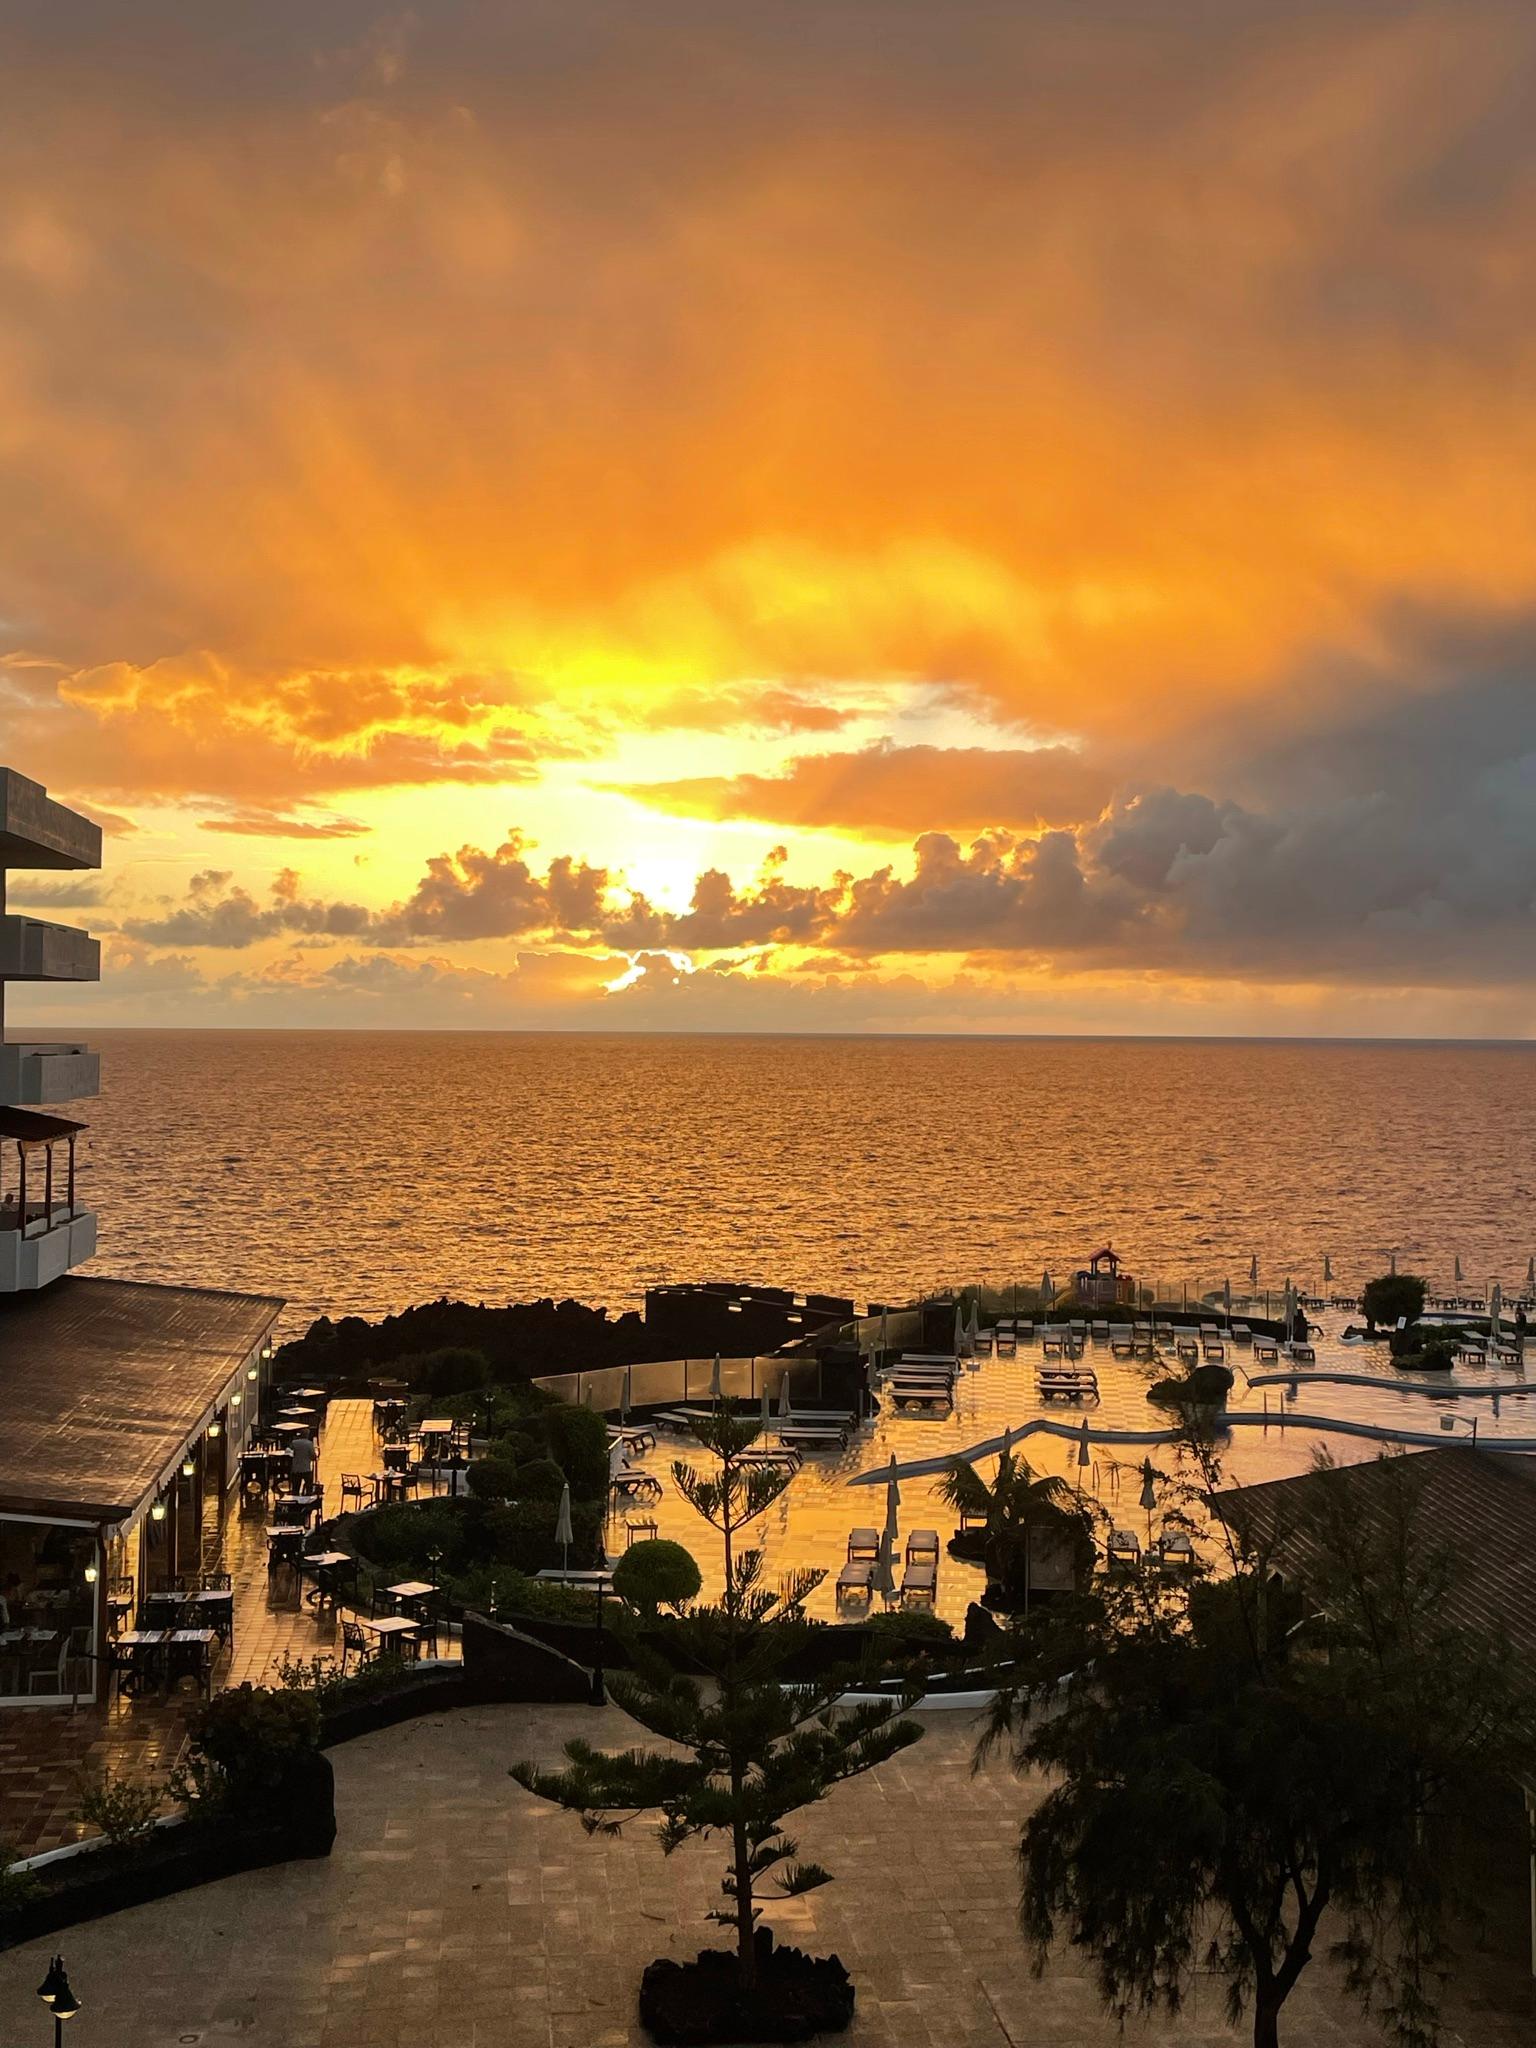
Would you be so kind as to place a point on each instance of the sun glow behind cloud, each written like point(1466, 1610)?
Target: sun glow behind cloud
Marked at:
point(704, 451)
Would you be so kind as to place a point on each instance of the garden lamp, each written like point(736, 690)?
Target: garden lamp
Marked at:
point(55, 1993)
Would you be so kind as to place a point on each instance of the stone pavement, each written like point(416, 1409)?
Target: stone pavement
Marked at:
point(457, 1908)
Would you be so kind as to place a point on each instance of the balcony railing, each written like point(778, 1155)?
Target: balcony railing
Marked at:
point(51, 1244)
point(37, 1073)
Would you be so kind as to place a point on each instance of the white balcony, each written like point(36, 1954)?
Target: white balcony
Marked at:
point(52, 1244)
point(33, 951)
point(31, 1074)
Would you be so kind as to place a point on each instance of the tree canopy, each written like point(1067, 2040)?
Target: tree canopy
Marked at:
point(1241, 1757)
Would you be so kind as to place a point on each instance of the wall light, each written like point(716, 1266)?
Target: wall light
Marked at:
point(188, 1467)
point(251, 1373)
point(157, 1512)
point(236, 1398)
point(92, 1573)
point(214, 1430)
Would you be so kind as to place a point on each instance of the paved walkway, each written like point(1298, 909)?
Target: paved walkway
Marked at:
point(456, 1908)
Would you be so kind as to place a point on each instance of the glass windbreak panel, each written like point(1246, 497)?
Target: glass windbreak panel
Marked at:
point(47, 1611)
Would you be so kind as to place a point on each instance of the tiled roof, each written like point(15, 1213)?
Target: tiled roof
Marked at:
point(103, 1381)
point(1479, 1506)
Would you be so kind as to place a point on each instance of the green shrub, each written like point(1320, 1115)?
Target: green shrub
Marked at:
point(656, 1574)
point(18, 1888)
point(522, 1534)
point(492, 1478)
point(323, 1680)
point(912, 1628)
point(121, 1810)
point(541, 1479)
point(244, 1746)
point(578, 1443)
point(405, 1532)
point(515, 1593)
point(1393, 1296)
point(1203, 1386)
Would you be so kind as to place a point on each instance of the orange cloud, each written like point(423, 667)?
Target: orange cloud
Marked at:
point(891, 790)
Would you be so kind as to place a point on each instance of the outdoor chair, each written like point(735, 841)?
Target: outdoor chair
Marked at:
point(856, 1581)
point(355, 1643)
point(1124, 1550)
point(920, 1582)
point(351, 1489)
point(863, 1544)
point(44, 1677)
point(923, 1546)
point(1304, 1354)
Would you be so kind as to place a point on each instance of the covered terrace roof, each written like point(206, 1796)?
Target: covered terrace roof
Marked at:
point(1479, 1506)
point(103, 1382)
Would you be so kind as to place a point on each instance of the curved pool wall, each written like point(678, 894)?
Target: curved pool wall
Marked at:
point(1041, 1425)
point(1438, 1390)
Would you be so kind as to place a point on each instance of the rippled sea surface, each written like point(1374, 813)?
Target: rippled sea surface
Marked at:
point(360, 1172)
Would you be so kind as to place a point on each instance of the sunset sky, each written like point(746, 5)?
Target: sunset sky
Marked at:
point(828, 515)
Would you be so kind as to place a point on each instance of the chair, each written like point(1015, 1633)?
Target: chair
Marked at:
point(856, 1581)
point(354, 1643)
point(923, 1547)
point(920, 1582)
point(50, 1678)
point(863, 1544)
point(1124, 1550)
point(351, 1489)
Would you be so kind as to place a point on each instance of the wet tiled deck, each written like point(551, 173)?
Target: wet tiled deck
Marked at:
point(809, 1525)
point(45, 1752)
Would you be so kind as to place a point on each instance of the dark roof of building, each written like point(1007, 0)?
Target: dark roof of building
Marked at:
point(1478, 1505)
point(103, 1381)
point(32, 1127)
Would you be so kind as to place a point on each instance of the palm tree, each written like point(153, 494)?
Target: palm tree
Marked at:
point(1014, 1504)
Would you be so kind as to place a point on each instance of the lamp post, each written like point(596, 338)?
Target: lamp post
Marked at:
point(55, 1993)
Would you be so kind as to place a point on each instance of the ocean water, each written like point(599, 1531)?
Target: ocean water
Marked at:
point(358, 1172)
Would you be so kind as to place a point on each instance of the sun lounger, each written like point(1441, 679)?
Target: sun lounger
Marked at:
point(863, 1545)
point(1265, 1351)
point(805, 1437)
point(1124, 1550)
point(1051, 1346)
point(765, 1454)
point(1100, 1328)
point(1241, 1334)
point(920, 1582)
point(1304, 1354)
point(855, 1580)
point(1188, 1348)
point(1177, 1552)
point(1215, 1352)
point(1123, 1347)
point(923, 1545)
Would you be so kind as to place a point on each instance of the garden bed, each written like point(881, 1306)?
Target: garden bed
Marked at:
point(96, 1877)
point(691, 2005)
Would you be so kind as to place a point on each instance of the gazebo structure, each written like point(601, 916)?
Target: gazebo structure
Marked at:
point(1101, 1284)
point(123, 1405)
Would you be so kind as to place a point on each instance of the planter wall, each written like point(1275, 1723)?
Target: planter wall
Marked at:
point(180, 1854)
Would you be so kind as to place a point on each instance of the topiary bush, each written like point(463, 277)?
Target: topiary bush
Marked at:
point(656, 1573)
point(578, 1443)
point(493, 1477)
point(540, 1479)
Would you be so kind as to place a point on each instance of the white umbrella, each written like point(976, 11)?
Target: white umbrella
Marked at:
point(1457, 1269)
point(1226, 1297)
point(628, 1394)
point(1495, 1311)
point(1084, 1455)
point(885, 1335)
point(959, 1329)
point(784, 1408)
point(974, 1331)
point(564, 1535)
point(1530, 1276)
point(892, 1500)
point(714, 1380)
point(764, 1423)
point(1253, 1270)
point(885, 1577)
point(1392, 1262)
point(1289, 1311)
point(1327, 1270)
point(1047, 1291)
